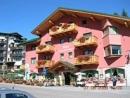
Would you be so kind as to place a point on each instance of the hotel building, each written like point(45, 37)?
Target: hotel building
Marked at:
point(11, 52)
point(81, 41)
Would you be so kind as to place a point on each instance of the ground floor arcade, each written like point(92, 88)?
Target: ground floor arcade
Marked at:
point(66, 74)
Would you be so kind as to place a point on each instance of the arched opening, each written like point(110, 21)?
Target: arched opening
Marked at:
point(115, 72)
point(91, 73)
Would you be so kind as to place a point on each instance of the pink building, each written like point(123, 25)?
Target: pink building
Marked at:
point(74, 40)
point(31, 57)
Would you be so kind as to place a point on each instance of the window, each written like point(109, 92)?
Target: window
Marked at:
point(17, 58)
point(87, 35)
point(115, 72)
point(18, 67)
point(62, 41)
point(2, 40)
point(33, 60)
point(84, 22)
point(62, 56)
point(46, 57)
point(113, 50)
point(116, 50)
point(33, 47)
point(88, 52)
point(16, 95)
point(70, 54)
point(71, 22)
point(23, 61)
point(110, 30)
point(48, 43)
point(70, 39)
point(8, 59)
point(11, 45)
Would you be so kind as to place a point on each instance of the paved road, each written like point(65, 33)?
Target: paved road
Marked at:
point(70, 92)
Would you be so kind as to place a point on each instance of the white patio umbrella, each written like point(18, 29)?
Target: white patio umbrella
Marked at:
point(80, 73)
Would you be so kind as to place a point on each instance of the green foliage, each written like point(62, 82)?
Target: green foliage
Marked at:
point(124, 13)
point(115, 14)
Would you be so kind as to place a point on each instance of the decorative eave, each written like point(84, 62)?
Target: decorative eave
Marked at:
point(60, 12)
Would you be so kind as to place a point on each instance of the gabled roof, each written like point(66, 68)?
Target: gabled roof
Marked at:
point(64, 64)
point(60, 12)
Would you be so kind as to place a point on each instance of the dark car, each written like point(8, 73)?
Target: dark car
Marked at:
point(12, 93)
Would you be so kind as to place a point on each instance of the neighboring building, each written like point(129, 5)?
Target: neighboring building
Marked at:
point(30, 56)
point(11, 53)
point(74, 40)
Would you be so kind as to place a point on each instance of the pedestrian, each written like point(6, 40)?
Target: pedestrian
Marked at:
point(114, 81)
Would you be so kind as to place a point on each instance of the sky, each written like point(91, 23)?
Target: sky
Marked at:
point(23, 16)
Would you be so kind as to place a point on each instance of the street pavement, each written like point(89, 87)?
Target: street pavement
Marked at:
point(69, 92)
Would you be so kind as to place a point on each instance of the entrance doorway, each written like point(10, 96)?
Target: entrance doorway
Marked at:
point(115, 72)
point(67, 76)
point(90, 75)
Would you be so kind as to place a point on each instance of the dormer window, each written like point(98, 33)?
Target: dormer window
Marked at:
point(110, 30)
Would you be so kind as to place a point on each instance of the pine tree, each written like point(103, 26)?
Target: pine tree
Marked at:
point(124, 13)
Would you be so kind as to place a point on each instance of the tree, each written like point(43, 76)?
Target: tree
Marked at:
point(115, 14)
point(124, 13)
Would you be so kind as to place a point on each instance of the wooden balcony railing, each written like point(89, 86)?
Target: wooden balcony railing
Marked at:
point(86, 60)
point(64, 28)
point(90, 41)
point(44, 49)
point(44, 63)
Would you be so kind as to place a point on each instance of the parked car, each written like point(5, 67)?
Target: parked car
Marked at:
point(12, 93)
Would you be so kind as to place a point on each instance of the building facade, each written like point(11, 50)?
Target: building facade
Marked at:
point(11, 52)
point(81, 41)
point(31, 57)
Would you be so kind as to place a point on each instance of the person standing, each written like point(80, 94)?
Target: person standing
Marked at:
point(114, 81)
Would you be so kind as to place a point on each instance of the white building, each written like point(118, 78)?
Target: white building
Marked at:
point(11, 52)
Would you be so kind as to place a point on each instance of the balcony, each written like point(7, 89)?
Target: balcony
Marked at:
point(44, 63)
point(3, 48)
point(83, 42)
point(86, 60)
point(16, 55)
point(63, 29)
point(3, 41)
point(16, 48)
point(2, 55)
point(45, 49)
